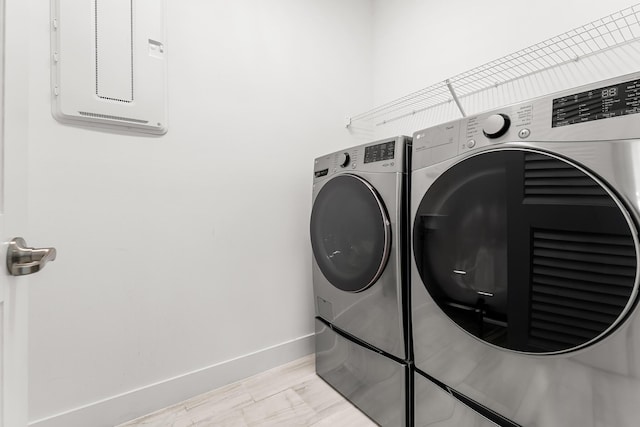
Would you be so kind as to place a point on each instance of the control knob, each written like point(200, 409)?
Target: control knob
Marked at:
point(343, 159)
point(496, 125)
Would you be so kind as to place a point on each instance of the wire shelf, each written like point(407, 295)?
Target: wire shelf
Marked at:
point(604, 34)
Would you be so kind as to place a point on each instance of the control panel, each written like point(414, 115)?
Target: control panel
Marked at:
point(380, 152)
point(600, 111)
point(379, 156)
point(596, 104)
point(491, 128)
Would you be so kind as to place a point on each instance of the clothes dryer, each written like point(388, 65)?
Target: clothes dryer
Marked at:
point(358, 236)
point(525, 257)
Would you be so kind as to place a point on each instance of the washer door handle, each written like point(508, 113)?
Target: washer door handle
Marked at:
point(23, 260)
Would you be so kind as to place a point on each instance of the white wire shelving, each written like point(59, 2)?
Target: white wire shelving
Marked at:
point(604, 34)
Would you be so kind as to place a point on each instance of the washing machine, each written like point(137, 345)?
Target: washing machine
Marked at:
point(360, 244)
point(524, 265)
point(358, 237)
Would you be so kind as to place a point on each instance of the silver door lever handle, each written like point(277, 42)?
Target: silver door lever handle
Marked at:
point(22, 260)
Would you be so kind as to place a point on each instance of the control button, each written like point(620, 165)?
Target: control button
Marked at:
point(353, 166)
point(471, 143)
point(524, 133)
point(343, 159)
point(496, 125)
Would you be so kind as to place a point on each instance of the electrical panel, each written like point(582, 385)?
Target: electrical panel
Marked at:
point(109, 64)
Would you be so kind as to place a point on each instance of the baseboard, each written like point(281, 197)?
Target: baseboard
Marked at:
point(135, 403)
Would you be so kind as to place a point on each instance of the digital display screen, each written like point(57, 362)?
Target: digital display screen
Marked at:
point(379, 152)
point(608, 93)
point(320, 173)
point(596, 104)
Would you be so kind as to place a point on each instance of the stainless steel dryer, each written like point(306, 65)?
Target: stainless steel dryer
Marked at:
point(358, 238)
point(525, 257)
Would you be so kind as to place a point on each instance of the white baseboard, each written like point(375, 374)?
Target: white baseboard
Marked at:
point(135, 403)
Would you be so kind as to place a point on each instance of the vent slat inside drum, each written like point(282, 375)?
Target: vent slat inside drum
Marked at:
point(600, 258)
point(547, 344)
point(622, 251)
point(581, 283)
point(553, 181)
point(590, 325)
point(587, 307)
point(556, 173)
point(601, 268)
point(579, 181)
point(554, 337)
point(532, 157)
point(568, 200)
point(548, 164)
point(591, 239)
point(595, 288)
point(563, 329)
point(570, 313)
point(601, 298)
point(563, 189)
point(582, 276)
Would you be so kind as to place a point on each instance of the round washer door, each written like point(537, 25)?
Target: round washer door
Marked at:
point(526, 251)
point(350, 233)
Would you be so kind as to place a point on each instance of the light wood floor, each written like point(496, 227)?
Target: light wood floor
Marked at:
point(289, 395)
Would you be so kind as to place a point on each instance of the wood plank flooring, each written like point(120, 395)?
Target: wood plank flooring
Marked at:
point(289, 395)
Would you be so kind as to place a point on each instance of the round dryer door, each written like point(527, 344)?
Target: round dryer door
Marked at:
point(526, 251)
point(350, 233)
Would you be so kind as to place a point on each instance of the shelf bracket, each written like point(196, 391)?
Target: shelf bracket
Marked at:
point(455, 97)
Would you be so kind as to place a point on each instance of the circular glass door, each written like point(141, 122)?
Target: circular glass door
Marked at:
point(526, 251)
point(350, 233)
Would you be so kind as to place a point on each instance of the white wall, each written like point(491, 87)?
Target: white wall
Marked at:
point(420, 43)
point(178, 253)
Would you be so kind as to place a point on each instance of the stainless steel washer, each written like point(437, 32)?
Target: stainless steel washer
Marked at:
point(359, 238)
point(525, 257)
point(358, 229)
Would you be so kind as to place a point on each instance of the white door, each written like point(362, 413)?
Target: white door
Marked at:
point(14, 44)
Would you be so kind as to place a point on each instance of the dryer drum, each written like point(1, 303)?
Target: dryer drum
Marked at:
point(526, 251)
point(350, 233)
